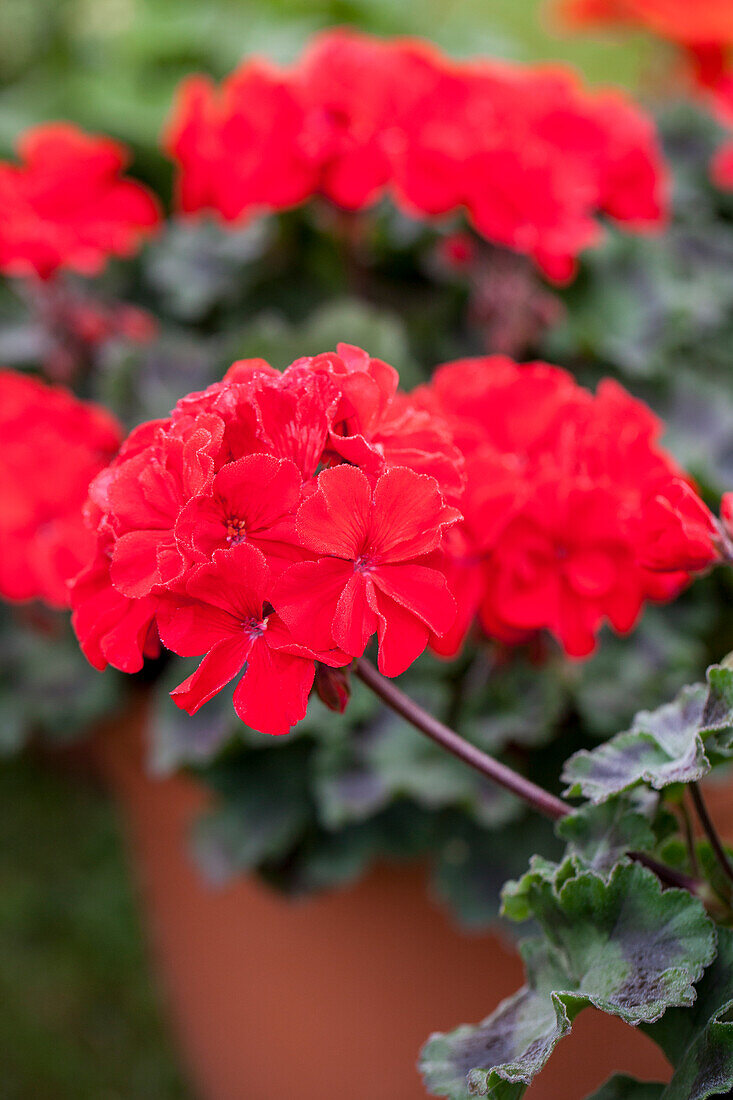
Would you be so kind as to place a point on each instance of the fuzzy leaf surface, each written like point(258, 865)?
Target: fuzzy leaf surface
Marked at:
point(699, 1041)
point(621, 944)
point(673, 744)
point(600, 835)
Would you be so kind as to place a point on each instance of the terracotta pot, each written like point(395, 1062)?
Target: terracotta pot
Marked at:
point(327, 997)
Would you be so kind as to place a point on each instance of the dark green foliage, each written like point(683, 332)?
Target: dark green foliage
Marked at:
point(673, 744)
point(46, 686)
point(699, 1041)
point(601, 835)
point(620, 944)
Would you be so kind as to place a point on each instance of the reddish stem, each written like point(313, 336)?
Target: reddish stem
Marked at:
point(547, 804)
point(710, 831)
point(529, 792)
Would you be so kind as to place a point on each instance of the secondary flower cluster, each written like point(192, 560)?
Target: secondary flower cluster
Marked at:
point(67, 205)
point(554, 506)
point(270, 522)
point(51, 446)
point(276, 522)
point(529, 154)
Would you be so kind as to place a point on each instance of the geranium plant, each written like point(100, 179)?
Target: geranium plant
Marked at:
point(493, 531)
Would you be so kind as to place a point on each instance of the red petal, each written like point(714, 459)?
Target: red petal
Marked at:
point(273, 693)
point(260, 489)
point(409, 515)
point(190, 627)
point(200, 527)
point(354, 621)
point(237, 581)
point(134, 569)
point(335, 519)
point(421, 591)
point(220, 665)
point(402, 637)
point(306, 596)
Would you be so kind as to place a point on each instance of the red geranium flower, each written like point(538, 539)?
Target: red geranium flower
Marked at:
point(201, 512)
point(371, 575)
point(376, 427)
point(526, 152)
point(225, 616)
point(51, 446)
point(67, 205)
point(354, 89)
point(564, 564)
point(239, 149)
point(252, 499)
point(557, 480)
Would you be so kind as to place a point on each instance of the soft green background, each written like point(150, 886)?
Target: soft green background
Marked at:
point(78, 1019)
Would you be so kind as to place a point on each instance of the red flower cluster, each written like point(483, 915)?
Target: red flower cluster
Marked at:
point(556, 482)
point(270, 522)
point(527, 152)
point(276, 521)
point(67, 205)
point(51, 446)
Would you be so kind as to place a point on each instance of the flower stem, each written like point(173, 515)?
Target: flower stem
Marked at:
point(547, 804)
point(529, 792)
point(710, 831)
point(689, 836)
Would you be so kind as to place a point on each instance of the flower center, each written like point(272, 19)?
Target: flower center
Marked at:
point(254, 627)
point(364, 564)
point(236, 530)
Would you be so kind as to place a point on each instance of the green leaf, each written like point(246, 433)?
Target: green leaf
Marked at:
point(699, 1041)
point(621, 1087)
point(718, 716)
point(601, 835)
point(500, 1056)
point(673, 744)
point(662, 747)
point(623, 945)
point(521, 705)
point(516, 896)
point(199, 265)
point(634, 948)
